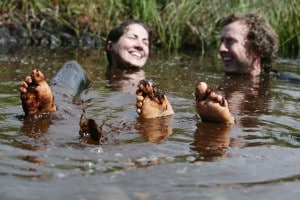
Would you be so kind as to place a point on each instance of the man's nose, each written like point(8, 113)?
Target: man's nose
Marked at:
point(223, 47)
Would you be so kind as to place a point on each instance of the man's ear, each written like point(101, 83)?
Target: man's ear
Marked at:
point(257, 62)
point(109, 45)
point(257, 58)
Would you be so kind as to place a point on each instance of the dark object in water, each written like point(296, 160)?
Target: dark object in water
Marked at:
point(72, 78)
point(289, 76)
point(89, 131)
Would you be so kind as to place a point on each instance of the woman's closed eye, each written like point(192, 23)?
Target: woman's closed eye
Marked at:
point(132, 37)
point(146, 42)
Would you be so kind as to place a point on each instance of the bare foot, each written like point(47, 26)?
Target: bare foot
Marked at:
point(211, 106)
point(36, 95)
point(151, 102)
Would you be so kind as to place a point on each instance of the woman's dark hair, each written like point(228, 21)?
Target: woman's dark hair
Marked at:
point(261, 38)
point(115, 34)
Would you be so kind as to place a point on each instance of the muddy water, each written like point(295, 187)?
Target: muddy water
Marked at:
point(171, 158)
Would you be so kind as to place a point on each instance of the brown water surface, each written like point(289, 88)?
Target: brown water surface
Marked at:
point(169, 158)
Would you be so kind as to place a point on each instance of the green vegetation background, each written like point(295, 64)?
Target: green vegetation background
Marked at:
point(178, 24)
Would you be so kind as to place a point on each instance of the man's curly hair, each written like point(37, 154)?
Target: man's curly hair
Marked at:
point(261, 38)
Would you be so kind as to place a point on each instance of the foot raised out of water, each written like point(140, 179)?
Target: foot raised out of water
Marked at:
point(210, 106)
point(151, 101)
point(36, 95)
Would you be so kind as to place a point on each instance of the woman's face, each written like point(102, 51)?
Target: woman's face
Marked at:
point(132, 49)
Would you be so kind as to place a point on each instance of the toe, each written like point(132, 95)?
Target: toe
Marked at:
point(145, 88)
point(28, 79)
point(201, 88)
point(23, 87)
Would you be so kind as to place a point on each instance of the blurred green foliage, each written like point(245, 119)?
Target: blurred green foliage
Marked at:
point(178, 24)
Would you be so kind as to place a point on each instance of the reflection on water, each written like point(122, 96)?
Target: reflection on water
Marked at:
point(211, 140)
point(248, 97)
point(155, 130)
point(36, 126)
point(175, 157)
point(124, 80)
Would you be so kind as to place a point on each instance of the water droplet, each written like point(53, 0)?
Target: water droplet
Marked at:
point(89, 165)
point(153, 158)
point(190, 158)
point(142, 161)
point(60, 175)
point(97, 150)
point(118, 155)
point(170, 159)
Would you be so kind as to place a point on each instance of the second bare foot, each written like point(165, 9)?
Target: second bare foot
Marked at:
point(151, 102)
point(211, 106)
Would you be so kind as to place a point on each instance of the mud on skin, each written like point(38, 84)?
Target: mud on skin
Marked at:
point(147, 88)
point(151, 101)
point(90, 131)
point(36, 95)
point(211, 106)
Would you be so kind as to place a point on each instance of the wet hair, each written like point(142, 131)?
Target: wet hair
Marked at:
point(117, 32)
point(261, 38)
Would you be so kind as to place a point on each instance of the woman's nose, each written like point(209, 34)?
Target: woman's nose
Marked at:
point(139, 45)
point(140, 48)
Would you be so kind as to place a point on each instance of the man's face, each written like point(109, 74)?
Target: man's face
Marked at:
point(233, 49)
point(132, 49)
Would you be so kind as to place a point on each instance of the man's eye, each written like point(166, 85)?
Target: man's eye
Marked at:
point(233, 40)
point(132, 37)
